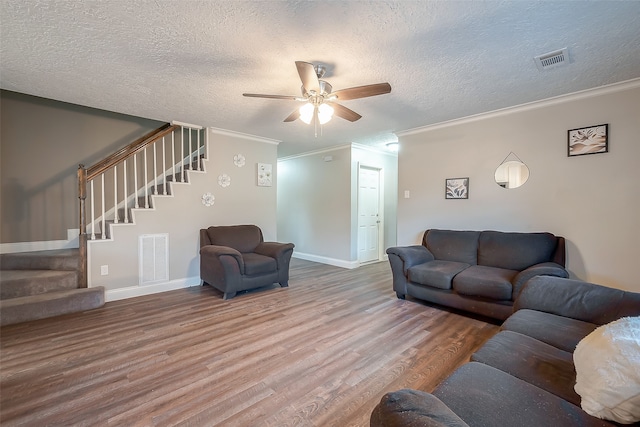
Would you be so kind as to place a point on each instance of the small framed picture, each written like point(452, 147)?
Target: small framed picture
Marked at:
point(589, 140)
point(456, 188)
point(264, 174)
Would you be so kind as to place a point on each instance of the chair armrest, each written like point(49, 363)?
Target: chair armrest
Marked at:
point(577, 299)
point(542, 269)
point(411, 255)
point(214, 252)
point(281, 252)
point(273, 249)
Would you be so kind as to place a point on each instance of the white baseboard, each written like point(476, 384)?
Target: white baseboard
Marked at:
point(138, 291)
point(325, 260)
point(46, 245)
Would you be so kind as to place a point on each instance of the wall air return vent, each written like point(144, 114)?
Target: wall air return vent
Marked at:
point(552, 59)
point(153, 258)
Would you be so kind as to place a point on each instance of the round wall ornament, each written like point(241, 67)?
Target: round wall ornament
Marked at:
point(224, 180)
point(208, 199)
point(239, 160)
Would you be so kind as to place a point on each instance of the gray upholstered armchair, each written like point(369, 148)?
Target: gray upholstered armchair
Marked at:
point(236, 258)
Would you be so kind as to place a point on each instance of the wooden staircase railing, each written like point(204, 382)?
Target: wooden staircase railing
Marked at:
point(143, 164)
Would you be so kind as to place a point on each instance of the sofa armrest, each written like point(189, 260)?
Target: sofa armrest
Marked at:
point(411, 255)
point(413, 408)
point(542, 269)
point(577, 299)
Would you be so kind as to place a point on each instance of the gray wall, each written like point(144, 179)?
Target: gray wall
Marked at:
point(42, 142)
point(593, 200)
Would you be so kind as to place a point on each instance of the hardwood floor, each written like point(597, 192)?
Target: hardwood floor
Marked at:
point(319, 353)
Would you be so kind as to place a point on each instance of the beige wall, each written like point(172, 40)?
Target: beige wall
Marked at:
point(183, 214)
point(593, 201)
point(42, 141)
point(314, 204)
point(317, 202)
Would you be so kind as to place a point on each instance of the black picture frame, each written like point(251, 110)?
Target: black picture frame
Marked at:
point(588, 140)
point(456, 188)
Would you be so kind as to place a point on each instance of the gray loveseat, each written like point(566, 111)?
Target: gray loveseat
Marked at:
point(523, 376)
point(477, 271)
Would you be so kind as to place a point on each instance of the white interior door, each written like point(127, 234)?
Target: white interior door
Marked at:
point(369, 218)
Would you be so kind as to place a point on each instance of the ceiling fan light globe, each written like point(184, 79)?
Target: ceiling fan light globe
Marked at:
point(306, 113)
point(325, 112)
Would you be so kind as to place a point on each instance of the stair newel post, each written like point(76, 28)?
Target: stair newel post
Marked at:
point(82, 238)
point(126, 196)
point(190, 151)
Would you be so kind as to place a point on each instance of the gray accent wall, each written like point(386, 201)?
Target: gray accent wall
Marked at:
point(591, 200)
point(42, 141)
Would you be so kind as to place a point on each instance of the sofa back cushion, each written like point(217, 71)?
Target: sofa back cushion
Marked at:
point(243, 238)
point(452, 245)
point(515, 251)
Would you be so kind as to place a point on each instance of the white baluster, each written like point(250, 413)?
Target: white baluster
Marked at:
point(135, 182)
point(104, 225)
point(93, 215)
point(146, 183)
point(164, 168)
point(198, 167)
point(173, 154)
point(181, 153)
point(126, 210)
point(115, 194)
point(155, 172)
point(190, 151)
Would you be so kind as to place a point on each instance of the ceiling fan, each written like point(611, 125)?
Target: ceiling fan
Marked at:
point(319, 100)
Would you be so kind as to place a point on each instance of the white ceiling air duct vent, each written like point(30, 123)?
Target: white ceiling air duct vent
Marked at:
point(552, 59)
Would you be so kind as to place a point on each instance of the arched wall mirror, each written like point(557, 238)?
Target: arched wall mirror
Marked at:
point(511, 173)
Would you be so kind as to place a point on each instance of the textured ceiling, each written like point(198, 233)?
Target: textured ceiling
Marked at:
point(191, 60)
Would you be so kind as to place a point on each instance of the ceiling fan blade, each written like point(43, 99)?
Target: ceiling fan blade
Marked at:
point(258, 95)
point(308, 76)
point(293, 116)
point(344, 112)
point(362, 91)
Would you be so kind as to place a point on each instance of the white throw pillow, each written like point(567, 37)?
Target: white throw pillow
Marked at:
point(607, 365)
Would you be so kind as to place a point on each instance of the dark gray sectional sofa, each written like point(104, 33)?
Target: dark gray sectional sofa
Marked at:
point(477, 271)
point(524, 376)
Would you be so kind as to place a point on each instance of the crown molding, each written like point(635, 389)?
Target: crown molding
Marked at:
point(244, 136)
point(315, 152)
point(587, 93)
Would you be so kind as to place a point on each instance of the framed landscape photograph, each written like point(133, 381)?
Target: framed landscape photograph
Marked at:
point(456, 188)
point(589, 140)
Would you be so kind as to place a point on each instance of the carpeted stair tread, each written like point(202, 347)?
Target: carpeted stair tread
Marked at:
point(22, 283)
point(59, 259)
point(41, 306)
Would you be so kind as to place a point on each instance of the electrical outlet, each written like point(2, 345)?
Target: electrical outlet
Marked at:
point(104, 270)
point(406, 194)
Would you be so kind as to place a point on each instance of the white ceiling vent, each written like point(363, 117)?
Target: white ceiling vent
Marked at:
point(552, 59)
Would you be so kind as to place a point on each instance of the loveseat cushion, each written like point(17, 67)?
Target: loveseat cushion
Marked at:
point(413, 408)
point(437, 274)
point(515, 251)
point(488, 282)
point(559, 331)
point(533, 361)
point(258, 264)
point(453, 245)
point(484, 396)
